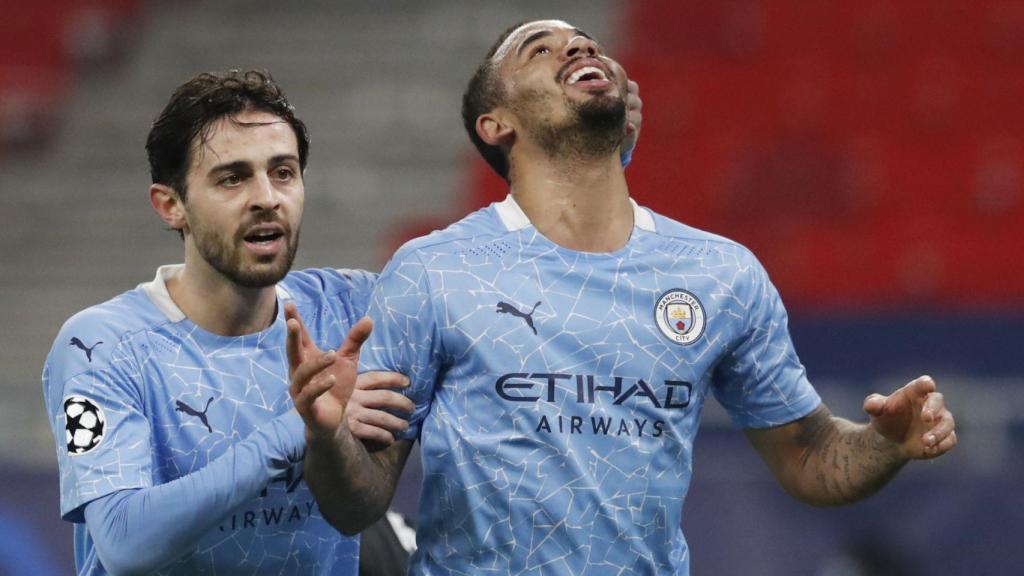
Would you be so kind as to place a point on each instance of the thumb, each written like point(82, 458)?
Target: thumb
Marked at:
point(874, 404)
point(356, 336)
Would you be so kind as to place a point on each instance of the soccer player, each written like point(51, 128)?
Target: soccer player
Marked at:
point(179, 447)
point(561, 345)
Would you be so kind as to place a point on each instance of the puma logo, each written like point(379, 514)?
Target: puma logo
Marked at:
point(182, 407)
point(506, 308)
point(87, 349)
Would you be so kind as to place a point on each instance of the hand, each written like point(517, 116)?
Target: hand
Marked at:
point(367, 415)
point(915, 417)
point(633, 117)
point(314, 372)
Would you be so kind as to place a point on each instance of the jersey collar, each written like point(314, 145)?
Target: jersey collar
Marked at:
point(161, 298)
point(513, 217)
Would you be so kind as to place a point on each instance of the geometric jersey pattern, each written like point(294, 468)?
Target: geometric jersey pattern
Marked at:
point(556, 417)
point(176, 397)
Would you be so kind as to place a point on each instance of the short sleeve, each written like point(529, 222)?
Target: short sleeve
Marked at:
point(761, 382)
point(95, 410)
point(405, 336)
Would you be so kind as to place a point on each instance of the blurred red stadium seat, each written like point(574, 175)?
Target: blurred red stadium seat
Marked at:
point(40, 43)
point(845, 143)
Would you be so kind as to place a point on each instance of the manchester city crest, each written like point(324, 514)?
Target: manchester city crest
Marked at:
point(680, 316)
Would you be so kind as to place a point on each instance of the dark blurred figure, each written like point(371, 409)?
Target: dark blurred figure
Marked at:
point(386, 546)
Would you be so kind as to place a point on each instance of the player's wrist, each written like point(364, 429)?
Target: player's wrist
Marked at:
point(890, 449)
point(325, 437)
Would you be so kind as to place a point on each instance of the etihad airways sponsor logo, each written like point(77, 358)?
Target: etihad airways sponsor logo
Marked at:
point(586, 388)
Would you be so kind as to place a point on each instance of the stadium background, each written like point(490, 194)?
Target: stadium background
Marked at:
point(871, 153)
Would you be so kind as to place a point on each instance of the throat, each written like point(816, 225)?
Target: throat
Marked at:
point(220, 307)
point(578, 235)
point(584, 224)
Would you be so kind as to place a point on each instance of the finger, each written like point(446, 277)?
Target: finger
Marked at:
point(305, 342)
point(946, 445)
point(290, 311)
point(874, 404)
point(371, 433)
point(945, 425)
point(942, 447)
point(381, 380)
point(381, 419)
point(308, 370)
point(294, 344)
point(921, 386)
point(633, 91)
point(934, 404)
point(383, 400)
point(310, 392)
point(356, 336)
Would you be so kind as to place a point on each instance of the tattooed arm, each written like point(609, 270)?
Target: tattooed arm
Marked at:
point(352, 484)
point(826, 461)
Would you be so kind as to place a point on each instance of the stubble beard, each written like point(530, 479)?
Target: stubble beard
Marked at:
point(224, 254)
point(594, 128)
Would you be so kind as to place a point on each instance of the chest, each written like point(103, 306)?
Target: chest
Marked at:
point(643, 316)
point(201, 397)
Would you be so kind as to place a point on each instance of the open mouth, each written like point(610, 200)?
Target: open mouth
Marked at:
point(586, 74)
point(264, 236)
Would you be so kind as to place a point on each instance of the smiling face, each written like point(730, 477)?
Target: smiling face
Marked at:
point(245, 198)
point(561, 88)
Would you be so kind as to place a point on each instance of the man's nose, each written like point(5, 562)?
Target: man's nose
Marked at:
point(581, 46)
point(264, 196)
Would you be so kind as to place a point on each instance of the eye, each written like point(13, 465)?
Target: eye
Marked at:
point(541, 49)
point(230, 180)
point(284, 173)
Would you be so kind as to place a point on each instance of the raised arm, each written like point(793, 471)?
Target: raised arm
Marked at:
point(826, 461)
point(352, 485)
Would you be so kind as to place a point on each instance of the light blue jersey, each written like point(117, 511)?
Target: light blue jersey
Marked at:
point(139, 396)
point(558, 393)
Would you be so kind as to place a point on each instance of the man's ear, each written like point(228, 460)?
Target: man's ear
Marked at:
point(494, 129)
point(168, 206)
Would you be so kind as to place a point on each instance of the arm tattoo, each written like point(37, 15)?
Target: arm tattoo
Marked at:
point(847, 461)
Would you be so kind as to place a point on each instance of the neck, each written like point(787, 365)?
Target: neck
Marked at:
point(578, 203)
point(218, 305)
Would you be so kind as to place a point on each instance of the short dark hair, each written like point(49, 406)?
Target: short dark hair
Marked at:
point(483, 94)
point(197, 104)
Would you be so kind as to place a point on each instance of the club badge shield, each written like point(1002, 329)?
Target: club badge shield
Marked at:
point(680, 316)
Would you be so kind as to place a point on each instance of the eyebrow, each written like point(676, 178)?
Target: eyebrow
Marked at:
point(543, 33)
point(243, 165)
point(236, 166)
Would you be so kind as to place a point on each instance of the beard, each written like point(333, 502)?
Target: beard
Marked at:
point(224, 254)
point(593, 128)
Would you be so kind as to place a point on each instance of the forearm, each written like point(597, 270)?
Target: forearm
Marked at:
point(353, 487)
point(828, 461)
point(138, 531)
point(843, 462)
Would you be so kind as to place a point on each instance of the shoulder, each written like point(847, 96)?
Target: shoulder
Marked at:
point(316, 283)
point(688, 240)
point(329, 295)
point(96, 344)
point(469, 233)
point(88, 339)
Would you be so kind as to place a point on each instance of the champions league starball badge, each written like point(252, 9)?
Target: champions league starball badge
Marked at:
point(84, 424)
point(680, 316)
